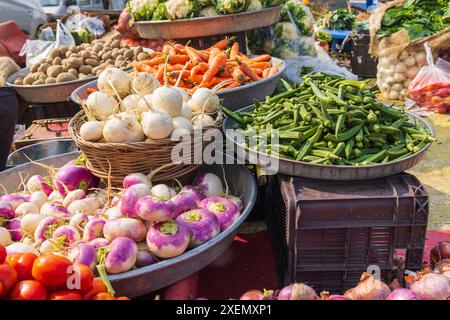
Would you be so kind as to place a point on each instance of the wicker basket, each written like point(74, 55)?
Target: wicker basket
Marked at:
point(116, 160)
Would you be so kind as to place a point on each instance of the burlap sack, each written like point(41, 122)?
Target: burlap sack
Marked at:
point(7, 68)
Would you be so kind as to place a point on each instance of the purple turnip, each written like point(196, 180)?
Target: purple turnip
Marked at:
point(163, 192)
point(130, 197)
point(55, 209)
point(79, 221)
point(122, 255)
point(39, 183)
point(194, 192)
point(114, 213)
point(6, 212)
point(49, 246)
point(155, 209)
point(38, 198)
point(297, 291)
point(99, 243)
point(45, 229)
point(93, 229)
point(224, 209)
point(145, 258)
point(67, 235)
point(72, 196)
point(201, 224)
point(83, 253)
point(237, 202)
point(125, 227)
point(72, 177)
point(30, 221)
point(167, 239)
point(135, 178)
point(87, 205)
point(26, 207)
point(55, 196)
point(210, 185)
point(14, 227)
point(184, 202)
point(14, 200)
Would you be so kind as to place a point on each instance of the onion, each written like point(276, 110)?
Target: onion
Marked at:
point(368, 288)
point(402, 294)
point(297, 291)
point(325, 295)
point(432, 286)
point(257, 295)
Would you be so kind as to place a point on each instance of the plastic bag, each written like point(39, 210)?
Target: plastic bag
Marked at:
point(47, 34)
point(431, 87)
point(36, 50)
point(292, 36)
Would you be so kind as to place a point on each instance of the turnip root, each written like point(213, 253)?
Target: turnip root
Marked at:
point(184, 202)
point(143, 84)
point(167, 239)
point(49, 246)
point(113, 213)
point(145, 103)
point(167, 99)
point(121, 128)
point(72, 196)
point(93, 229)
point(5, 237)
point(194, 192)
point(45, 229)
point(14, 227)
point(209, 185)
point(124, 227)
point(39, 183)
point(55, 196)
point(186, 111)
point(145, 258)
point(155, 209)
point(83, 253)
point(181, 123)
point(114, 80)
point(88, 205)
point(92, 130)
point(30, 221)
point(14, 200)
point(225, 210)
point(135, 178)
point(6, 212)
point(19, 247)
point(204, 100)
point(67, 234)
point(157, 125)
point(79, 221)
point(163, 192)
point(99, 243)
point(131, 196)
point(72, 177)
point(237, 202)
point(130, 103)
point(102, 105)
point(55, 209)
point(202, 120)
point(122, 255)
point(201, 224)
point(38, 198)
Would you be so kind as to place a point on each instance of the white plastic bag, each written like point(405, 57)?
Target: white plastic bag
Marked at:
point(63, 36)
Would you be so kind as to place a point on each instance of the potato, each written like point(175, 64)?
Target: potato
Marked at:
point(97, 47)
point(50, 80)
point(64, 77)
point(120, 57)
point(35, 68)
point(38, 82)
point(74, 63)
point(137, 50)
point(119, 63)
point(101, 53)
point(74, 49)
point(63, 50)
point(143, 56)
point(54, 71)
point(115, 44)
point(97, 73)
point(44, 67)
point(73, 72)
point(74, 55)
point(86, 55)
point(91, 62)
point(56, 61)
point(107, 56)
point(48, 60)
point(40, 75)
point(56, 52)
point(18, 81)
point(83, 76)
point(86, 69)
point(68, 53)
point(110, 61)
point(129, 54)
point(29, 79)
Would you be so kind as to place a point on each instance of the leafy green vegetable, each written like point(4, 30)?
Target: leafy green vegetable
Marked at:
point(232, 6)
point(341, 19)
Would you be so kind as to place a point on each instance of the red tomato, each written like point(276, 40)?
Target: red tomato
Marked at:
point(81, 278)
point(436, 101)
point(122, 298)
point(97, 287)
point(29, 290)
point(8, 278)
point(22, 263)
point(51, 270)
point(447, 101)
point(3, 254)
point(103, 296)
point(441, 109)
point(65, 295)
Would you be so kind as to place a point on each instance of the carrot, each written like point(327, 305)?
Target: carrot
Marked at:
point(238, 75)
point(234, 52)
point(166, 48)
point(261, 58)
point(198, 78)
point(214, 52)
point(273, 70)
point(179, 48)
point(193, 55)
point(154, 61)
point(258, 71)
point(178, 59)
point(204, 54)
point(224, 72)
point(156, 54)
point(160, 73)
point(175, 67)
point(211, 83)
point(221, 45)
point(243, 57)
point(214, 67)
point(249, 71)
point(260, 65)
point(265, 73)
point(231, 86)
point(90, 90)
point(200, 68)
point(176, 74)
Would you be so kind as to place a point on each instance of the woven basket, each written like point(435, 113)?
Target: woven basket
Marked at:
point(117, 160)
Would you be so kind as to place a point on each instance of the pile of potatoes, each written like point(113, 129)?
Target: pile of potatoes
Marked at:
point(80, 62)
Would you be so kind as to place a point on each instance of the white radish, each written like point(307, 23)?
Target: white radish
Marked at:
point(204, 100)
point(26, 207)
point(202, 120)
point(167, 99)
point(399, 77)
point(157, 125)
point(114, 80)
point(30, 221)
point(102, 105)
point(121, 128)
point(92, 130)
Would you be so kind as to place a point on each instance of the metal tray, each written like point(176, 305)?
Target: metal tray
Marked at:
point(233, 99)
point(208, 26)
point(141, 281)
point(338, 172)
point(45, 93)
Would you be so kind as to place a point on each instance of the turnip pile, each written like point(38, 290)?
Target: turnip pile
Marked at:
point(114, 230)
point(135, 107)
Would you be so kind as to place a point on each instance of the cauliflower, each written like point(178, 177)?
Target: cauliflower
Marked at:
point(141, 10)
point(232, 6)
point(255, 5)
point(286, 31)
point(179, 9)
point(204, 3)
point(209, 11)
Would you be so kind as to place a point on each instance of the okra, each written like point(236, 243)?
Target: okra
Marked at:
point(349, 148)
point(309, 143)
point(378, 156)
point(339, 148)
point(339, 124)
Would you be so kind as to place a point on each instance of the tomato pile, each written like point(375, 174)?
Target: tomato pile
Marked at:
point(434, 96)
point(25, 276)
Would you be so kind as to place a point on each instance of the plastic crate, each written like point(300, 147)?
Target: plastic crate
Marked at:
point(327, 233)
point(363, 65)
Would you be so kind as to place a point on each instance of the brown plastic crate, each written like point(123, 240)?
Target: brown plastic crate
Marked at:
point(328, 229)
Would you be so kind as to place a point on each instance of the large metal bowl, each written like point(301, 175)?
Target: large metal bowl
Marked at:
point(208, 26)
point(45, 93)
point(141, 281)
point(336, 172)
point(233, 99)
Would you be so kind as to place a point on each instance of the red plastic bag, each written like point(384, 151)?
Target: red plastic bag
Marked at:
point(12, 40)
point(431, 87)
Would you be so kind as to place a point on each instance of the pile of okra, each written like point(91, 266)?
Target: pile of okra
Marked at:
point(330, 120)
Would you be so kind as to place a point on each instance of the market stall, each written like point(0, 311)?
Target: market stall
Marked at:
point(197, 122)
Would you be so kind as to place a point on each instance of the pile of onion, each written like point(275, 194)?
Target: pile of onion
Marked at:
point(368, 288)
point(431, 286)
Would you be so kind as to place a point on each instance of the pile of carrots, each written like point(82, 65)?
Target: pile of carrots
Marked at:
point(222, 66)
